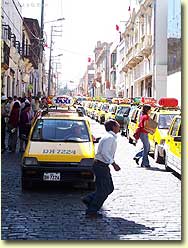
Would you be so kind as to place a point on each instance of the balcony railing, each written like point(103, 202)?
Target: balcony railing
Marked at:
point(6, 32)
point(32, 54)
point(13, 40)
point(5, 55)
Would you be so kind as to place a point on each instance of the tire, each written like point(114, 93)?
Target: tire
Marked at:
point(26, 184)
point(129, 138)
point(166, 164)
point(157, 157)
point(123, 133)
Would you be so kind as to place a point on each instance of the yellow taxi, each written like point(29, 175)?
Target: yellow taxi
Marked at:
point(134, 117)
point(163, 115)
point(121, 116)
point(111, 112)
point(89, 108)
point(60, 149)
point(103, 110)
point(172, 147)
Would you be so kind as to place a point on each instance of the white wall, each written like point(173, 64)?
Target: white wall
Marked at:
point(174, 86)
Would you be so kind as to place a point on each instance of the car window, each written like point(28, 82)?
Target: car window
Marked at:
point(179, 131)
point(60, 130)
point(165, 121)
point(174, 131)
point(105, 107)
point(133, 117)
point(123, 110)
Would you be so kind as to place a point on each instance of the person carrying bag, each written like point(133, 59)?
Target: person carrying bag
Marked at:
point(146, 125)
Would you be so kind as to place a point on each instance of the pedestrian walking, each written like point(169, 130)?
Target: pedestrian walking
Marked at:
point(24, 126)
point(104, 157)
point(4, 115)
point(13, 123)
point(35, 105)
point(143, 153)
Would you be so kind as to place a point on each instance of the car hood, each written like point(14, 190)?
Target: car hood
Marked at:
point(60, 152)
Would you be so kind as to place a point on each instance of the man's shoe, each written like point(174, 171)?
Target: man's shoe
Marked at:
point(86, 202)
point(136, 160)
point(145, 166)
point(93, 216)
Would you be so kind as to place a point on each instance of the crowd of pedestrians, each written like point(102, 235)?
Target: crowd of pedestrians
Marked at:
point(17, 114)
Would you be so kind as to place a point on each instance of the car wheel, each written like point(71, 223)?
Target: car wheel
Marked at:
point(157, 157)
point(26, 184)
point(166, 163)
point(129, 138)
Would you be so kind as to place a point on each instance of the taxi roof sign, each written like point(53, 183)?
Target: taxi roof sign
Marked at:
point(168, 102)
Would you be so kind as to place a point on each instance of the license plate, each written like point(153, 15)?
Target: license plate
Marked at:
point(51, 177)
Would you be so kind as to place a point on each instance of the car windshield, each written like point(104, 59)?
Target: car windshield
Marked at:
point(60, 130)
point(105, 107)
point(165, 121)
point(123, 110)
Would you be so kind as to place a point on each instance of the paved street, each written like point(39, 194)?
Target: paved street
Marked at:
point(146, 204)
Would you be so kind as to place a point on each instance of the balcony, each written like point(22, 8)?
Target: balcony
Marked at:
point(5, 53)
point(6, 34)
point(145, 45)
point(31, 54)
point(132, 59)
point(13, 40)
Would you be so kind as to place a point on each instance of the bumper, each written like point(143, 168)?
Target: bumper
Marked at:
point(72, 174)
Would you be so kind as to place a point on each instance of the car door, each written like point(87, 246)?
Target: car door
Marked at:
point(174, 145)
point(133, 122)
point(151, 137)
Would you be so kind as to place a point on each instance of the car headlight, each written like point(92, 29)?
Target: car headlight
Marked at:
point(86, 162)
point(30, 161)
point(162, 141)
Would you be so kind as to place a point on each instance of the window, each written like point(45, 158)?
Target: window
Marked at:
point(174, 131)
point(142, 88)
point(123, 110)
point(165, 121)
point(131, 91)
point(60, 130)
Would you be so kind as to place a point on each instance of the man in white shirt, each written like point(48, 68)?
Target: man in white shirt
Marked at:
point(104, 157)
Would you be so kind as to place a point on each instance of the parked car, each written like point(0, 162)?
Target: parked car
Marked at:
point(163, 116)
point(60, 149)
point(172, 146)
point(121, 116)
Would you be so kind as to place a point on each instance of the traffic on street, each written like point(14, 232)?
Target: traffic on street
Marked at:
point(91, 119)
point(145, 205)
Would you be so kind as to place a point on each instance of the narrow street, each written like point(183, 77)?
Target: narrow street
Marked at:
point(146, 204)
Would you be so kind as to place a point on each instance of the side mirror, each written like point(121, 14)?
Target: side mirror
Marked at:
point(177, 138)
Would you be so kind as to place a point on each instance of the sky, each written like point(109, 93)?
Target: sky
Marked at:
point(86, 22)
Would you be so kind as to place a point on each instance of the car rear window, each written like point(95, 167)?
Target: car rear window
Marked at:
point(165, 121)
point(60, 130)
point(123, 110)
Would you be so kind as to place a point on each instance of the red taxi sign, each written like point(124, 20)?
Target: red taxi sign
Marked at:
point(168, 102)
point(149, 100)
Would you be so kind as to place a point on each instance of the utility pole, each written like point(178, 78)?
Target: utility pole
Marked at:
point(50, 58)
point(41, 49)
point(42, 29)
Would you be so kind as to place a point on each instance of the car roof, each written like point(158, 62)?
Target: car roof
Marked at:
point(61, 113)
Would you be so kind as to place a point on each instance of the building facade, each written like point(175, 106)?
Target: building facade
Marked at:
point(20, 52)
